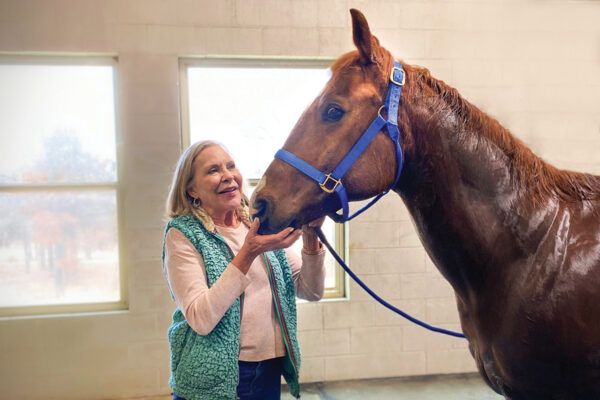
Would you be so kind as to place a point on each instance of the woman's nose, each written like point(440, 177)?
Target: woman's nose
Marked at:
point(227, 176)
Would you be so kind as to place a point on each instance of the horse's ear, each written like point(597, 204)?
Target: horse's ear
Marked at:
point(365, 42)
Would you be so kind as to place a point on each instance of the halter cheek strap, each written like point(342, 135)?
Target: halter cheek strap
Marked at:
point(332, 182)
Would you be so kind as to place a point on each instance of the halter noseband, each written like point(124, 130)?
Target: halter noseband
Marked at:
point(332, 182)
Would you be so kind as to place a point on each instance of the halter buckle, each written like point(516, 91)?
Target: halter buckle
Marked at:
point(327, 179)
point(393, 80)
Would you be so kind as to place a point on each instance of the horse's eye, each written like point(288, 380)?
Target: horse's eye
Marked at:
point(332, 113)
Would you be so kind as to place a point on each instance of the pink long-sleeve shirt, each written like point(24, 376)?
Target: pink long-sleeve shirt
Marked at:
point(203, 307)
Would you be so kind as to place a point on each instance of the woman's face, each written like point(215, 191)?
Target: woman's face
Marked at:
point(217, 182)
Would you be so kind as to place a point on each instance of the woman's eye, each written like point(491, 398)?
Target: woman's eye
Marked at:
point(333, 112)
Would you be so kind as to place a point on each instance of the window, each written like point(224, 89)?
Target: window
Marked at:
point(59, 240)
point(254, 104)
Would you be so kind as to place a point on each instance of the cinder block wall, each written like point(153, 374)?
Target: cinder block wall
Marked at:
point(534, 65)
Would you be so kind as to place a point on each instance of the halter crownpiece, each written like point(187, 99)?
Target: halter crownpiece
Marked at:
point(332, 182)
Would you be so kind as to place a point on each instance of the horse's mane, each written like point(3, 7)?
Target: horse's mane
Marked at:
point(537, 177)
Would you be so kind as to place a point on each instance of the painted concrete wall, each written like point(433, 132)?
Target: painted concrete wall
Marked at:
point(534, 65)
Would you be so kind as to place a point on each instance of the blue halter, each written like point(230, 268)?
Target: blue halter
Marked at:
point(332, 182)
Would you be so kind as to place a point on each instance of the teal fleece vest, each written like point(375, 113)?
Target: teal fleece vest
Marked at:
point(206, 366)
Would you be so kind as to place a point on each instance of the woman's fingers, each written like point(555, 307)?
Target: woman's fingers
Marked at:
point(291, 238)
point(261, 243)
point(287, 242)
point(283, 234)
point(255, 225)
point(256, 244)
point(280, 240)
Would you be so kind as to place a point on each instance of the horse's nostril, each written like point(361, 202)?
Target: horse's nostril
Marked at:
point(259, 208)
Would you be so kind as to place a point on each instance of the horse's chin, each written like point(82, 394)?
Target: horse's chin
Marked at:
point(274, 221)
point(269, 226)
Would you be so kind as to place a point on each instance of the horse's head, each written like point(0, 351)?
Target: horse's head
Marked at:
point(324, 134)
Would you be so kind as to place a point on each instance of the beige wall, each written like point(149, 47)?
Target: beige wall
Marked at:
point(535, 65)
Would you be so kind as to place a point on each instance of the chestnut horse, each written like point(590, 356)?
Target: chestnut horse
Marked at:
point(518, 239)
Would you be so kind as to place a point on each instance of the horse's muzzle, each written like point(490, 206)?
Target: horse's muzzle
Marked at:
point(259, 209)
point(262, 209)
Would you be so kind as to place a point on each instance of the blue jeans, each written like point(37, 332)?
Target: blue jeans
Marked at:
point(259, 380)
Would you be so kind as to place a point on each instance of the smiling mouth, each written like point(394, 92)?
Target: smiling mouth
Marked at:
point(229, 190)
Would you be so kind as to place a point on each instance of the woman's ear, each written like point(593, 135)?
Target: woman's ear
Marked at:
point(192, 193)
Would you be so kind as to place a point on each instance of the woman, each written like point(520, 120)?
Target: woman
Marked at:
point(234, 329)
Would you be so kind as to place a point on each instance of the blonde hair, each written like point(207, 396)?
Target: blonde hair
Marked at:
point(179, 202)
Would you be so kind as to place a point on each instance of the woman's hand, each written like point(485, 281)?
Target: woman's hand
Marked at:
point(256, 244)
point(310, 241)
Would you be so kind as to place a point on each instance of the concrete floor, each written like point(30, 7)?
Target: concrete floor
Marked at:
point(440, 387)
point(445, 387)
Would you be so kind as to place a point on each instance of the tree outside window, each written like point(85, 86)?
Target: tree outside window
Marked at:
point(59, 241)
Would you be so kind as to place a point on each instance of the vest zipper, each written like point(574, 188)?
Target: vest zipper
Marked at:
point(286, 334)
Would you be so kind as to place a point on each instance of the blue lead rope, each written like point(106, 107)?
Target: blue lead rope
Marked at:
point(384, 303)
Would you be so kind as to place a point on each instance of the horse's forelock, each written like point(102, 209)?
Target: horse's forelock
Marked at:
point(350, 63)
point(345, 61)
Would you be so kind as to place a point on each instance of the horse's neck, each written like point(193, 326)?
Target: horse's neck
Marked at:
point(469, 212)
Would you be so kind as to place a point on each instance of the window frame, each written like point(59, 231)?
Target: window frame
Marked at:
point(340, 290)
point(109, 60)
